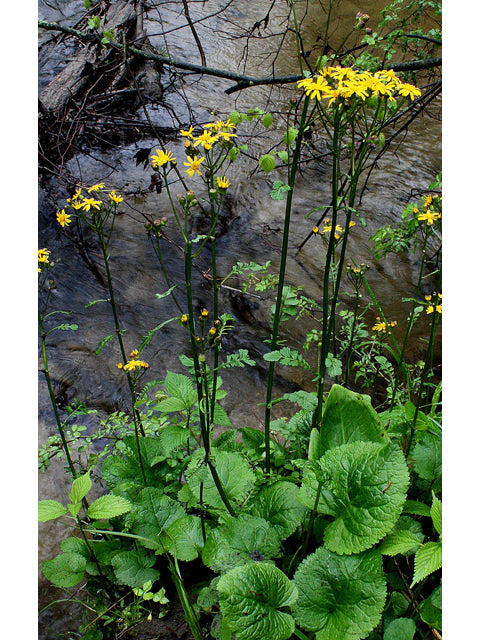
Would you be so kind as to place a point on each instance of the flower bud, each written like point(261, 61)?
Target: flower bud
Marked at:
point(190, 196)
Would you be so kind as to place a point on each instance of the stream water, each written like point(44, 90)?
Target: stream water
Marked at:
point(251, 225)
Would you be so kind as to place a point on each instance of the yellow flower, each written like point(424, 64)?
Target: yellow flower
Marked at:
point(43, 255)
point(193, 165)
point(409, 90)
point(134, 354)
point(427, 201)
point(96, 187)
point(223, 183)
point(77, 204)
point(114, 197)
point(187, 134)
point(63, 218)
point(212, 331)
point(131, 365)
point(204, 313)
point(161, 158)
point(430, 216)
point(206, 140)
point(315, 230)
point(381, 327)
point(75, 196)
point(184, 319)
point(90, 202)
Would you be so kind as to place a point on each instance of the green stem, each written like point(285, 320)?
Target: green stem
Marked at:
point(281, 279)
point(352, 334)
point(52, 399)
point(317, 414)
point(410, 321)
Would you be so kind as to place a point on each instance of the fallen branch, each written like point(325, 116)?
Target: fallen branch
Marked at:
point(242, 81)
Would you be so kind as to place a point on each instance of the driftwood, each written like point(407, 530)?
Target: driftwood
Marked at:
point(125, 19)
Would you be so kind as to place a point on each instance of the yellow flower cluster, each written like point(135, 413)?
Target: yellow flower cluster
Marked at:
point(133, 363)
point(79, 202)
point(381, 327)
point(431, 213)
point(342, 83)
point(437, 307)
point(213, 132)
point(43, 258)
point(327, 228)
point(161, 158)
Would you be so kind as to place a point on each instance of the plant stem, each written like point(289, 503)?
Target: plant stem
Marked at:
point(52, 399)
point(281, 279)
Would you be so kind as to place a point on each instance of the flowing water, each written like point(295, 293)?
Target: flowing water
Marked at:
point(251, 224)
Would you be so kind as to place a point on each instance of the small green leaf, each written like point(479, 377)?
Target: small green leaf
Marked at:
point(251, 597)
point(66, 570)
point(183, 539)
point(283, 155)
point(267, 162)
point(400, 629)
point(290, 135)
point(169, 405)
point(416, 508)
point(399, 542)
point(235, 117)
point(279, 189)
point(80, 487)
point(108, 506)
point(49, 510)
point(436, 513)
point(431, 609)
point(267, 120)
point(427, 560)
point(133, 568)
point(427, 456)
point(103, 342)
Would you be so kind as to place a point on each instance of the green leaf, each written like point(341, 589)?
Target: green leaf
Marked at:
point(66, 570)
point(431, 609)
point(267, 120)
point(427, 560)
point(349, 417)
point(290, 135)
point(220, 416)
point(239, 541)
point(400, 629)
point(173, 436)
point(363, 486)
point(235, 117)
point(171, 404)
point(267, 162)
point(133, 568)
point(279, 189)
point(239, 359)
point(427, 456)
point(251, 597)
point(49, 510)
point(153, 514)
point(283, 155)
point(103, 342)
point(340, 596)
point(234, 472)
point(108, 506)
point(436, 513)
point(80, 487)
point(279, 506)
point(75, 545)
point(334, 366)
point(180, 386)
point(416, 508)
point(288, 357)
point(399, 542)
point(183, 539)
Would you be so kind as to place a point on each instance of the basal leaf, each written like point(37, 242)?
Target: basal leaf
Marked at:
point(364, 486)
point(133, 568)
point(153, 514)
point(240, 540)
point(183, 539)
point(251, 597)
point(340, 596)
point(66, 570)
point(278, 505)
point(427, 456)
point(108, 506)
point(427, 560)
point(233, 470)
point(400, 629)
point(49, 510)
point(349, 417)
